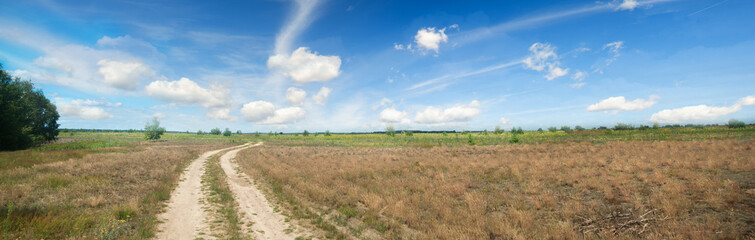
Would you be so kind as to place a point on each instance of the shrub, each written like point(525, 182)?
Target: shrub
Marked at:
point(305, 133)
point(552, 129)
point(579, 128)
point(199, 132)
point(390, 131)
point(733, 123)
point(257, 134)
point(153, 131)
point(540, 130)
point(498, 130)
point(238, 132)
point(409, 133)
point(519, 130)
point(327, 133)
point(215, 131)
point(515, 139)
point(566, 128)
point(471, 140)
point(227, 132)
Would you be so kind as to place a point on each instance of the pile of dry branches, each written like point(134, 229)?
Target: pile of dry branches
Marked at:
point(618, 222)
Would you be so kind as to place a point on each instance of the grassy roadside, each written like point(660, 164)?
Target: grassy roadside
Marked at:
point(227, 219)
point(104, 195)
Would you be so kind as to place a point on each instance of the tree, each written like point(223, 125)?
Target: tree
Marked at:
point(552, 129)
point(579, 128)
point(566, 128)
point(238, 132)
point(305, 133)
point(733, 123)
point(200, 132)
point(227, 132)
point(153, 131)
point(327, 133)
point(215, 131)
point(27, 117)
point(498, 130)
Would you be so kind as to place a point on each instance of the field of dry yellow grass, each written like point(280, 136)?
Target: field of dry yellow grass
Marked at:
point(572, 190)
point(101, 193)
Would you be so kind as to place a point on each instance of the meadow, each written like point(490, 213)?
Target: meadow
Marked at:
point(666, 183)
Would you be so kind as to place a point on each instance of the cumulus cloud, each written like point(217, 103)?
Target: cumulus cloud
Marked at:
point(614, 105)
point(322, 96)
point(430, 38)
point(504, 121)
point(304, 66)
point(257, 111)
point(262, 112)
point(109, 66)
point(188, 92)
point(295, 96)
point(458, 113)
point(83, 109)
point(392, 115)
point(543, 57)
point(700, 112)
point(123, 75)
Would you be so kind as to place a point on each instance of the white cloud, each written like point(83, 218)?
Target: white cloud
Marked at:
point(285, 116)
point(295, 96)
point(628, 5)
point(123, 75)
point(430, 38)
point(504, 121)
point(577, 85)
point(458, 113)
point(299, 21)
point(187, 92)
point(614, 105)
point(322, 96)
point(304, 66)
point(75, 110)
point(262, 112)
point(159, 115)
point(700, 112)
point(544, 58)
point(392, 115)
point(257, 111)
point(578, 77)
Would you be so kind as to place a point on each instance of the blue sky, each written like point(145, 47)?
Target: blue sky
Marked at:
point(363, 65)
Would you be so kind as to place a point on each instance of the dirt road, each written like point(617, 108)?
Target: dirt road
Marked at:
point(185, 217)
point(268, 224)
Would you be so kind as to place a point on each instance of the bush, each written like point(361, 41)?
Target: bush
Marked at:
point(238, 132)
point(153, 131)
point(390, 131)
point(471, 140)
point(515, 139)
point(327, 133)
point(552, 129)
point(305, 133)
point(27, 117)
point(215, 131)
point(200, 132)
point(566, 128)
point(733, 123)
point(498, 130)
point(409, 133)
point(227, 132)
point(579, 128)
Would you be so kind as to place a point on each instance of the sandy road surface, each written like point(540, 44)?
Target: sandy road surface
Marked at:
point(185, 217)
point(268, 224)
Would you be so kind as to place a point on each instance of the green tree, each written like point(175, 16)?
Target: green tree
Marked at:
point(200, 132)
point(409, 133)
point(579, 128)
point(152, 130)
point(552, 129)
point(305, 133)
point(498, 130)
point(215, 131)
point(327, 133)
point(733, 123)
point(27, 117)
point(238, 132)
point(227, 132)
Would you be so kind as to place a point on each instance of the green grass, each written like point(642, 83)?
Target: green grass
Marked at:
point(222, 199)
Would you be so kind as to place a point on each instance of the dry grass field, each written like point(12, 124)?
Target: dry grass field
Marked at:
point(570, 190)
point(100, 193)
